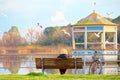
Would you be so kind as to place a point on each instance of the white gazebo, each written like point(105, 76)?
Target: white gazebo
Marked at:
point(95, 33)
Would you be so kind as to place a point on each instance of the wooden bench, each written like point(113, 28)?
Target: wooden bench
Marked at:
point(58, 63)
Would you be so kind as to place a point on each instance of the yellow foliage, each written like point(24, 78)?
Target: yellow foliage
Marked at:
point(36, 49)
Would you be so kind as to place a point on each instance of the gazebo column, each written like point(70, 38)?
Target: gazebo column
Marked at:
point(103, 40)
point(85, 38)
point(115, 40)
point(73, 38)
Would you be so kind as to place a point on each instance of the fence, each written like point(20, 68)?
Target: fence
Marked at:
point(25, 63)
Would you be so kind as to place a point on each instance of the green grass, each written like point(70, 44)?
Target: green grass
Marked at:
point(40, 76)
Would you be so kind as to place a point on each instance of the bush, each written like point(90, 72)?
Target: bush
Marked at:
point(35, 74)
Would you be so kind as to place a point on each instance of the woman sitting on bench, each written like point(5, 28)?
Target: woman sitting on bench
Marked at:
point(63, 54)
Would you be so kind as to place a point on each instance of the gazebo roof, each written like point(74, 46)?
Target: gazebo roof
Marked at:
point(94, 19)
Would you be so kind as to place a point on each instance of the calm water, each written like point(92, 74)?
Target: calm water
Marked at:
point(26, 65)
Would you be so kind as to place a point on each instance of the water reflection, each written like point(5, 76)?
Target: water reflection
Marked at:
point(3, 70)
point(21, 64)
point(11, 63)
point(23, 69)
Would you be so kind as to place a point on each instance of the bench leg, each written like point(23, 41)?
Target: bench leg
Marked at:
point(75, 65)
point(42, 65)
point(42, 70)
point(62, 71)
point(75, 71)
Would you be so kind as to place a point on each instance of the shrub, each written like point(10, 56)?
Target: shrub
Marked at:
point(35, 74)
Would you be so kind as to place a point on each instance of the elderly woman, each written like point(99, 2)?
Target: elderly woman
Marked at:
point(63, 54)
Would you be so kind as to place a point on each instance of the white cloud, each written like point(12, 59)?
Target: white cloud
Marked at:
point(59, 18)
point(69, 2)
point(3, 14)
point(19, 5)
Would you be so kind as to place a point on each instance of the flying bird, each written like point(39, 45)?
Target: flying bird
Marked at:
point(106, 41)
point(109, 13)
point(94, 3)
point(65, 32)
point(38, 24)
point(97, 34)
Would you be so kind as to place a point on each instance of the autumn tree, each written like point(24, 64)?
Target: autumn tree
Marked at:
point(33, 35)
point(12, 37)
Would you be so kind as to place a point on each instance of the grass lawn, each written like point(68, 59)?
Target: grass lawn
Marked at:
point(39, 76)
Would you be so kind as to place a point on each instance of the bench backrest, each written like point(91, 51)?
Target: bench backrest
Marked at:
point(59, 63)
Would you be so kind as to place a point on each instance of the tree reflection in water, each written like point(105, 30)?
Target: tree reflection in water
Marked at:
point(12, 62)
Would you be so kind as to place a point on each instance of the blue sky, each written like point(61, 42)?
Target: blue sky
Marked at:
point(27, 13)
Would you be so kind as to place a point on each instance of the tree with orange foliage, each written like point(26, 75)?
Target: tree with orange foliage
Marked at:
point(12, 37)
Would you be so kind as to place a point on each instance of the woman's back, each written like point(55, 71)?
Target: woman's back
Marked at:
point(62, 56)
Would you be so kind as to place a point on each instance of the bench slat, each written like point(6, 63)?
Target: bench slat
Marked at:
point(55, 63)
point(59, 63)
point(38, 63)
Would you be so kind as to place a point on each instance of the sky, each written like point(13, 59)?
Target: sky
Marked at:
point(27, 13)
